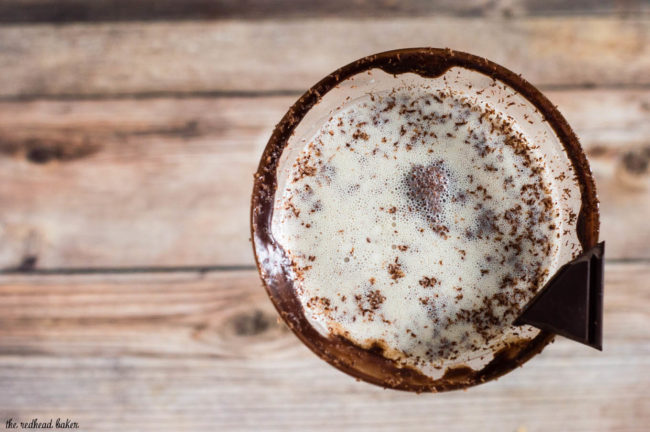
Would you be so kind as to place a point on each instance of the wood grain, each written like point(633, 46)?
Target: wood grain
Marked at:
point(166, 182)
point(192, 351)
point(62, 11)
point(235, 56)
point(129, 131)
point(130, 183)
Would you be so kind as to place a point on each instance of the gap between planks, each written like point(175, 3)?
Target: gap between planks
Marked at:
point(191, 269)
point(253, 94)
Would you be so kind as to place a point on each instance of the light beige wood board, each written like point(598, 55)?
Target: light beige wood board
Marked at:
point(191, 351)
point(166, 182)
point(266, 55)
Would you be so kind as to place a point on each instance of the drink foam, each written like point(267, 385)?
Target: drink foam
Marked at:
point(417, 223)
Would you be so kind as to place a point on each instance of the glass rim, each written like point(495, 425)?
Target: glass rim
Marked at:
point(270, 260)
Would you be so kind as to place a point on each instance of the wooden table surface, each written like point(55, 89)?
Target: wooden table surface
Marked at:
point(129, 133)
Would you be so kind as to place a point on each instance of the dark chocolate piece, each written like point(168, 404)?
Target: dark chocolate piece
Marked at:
point(571, 303)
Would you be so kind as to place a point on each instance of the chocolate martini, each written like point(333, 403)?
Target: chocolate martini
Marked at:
point(403, 220)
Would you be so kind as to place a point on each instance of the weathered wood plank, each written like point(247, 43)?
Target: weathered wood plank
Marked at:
point(189, 57)
point(192, 351)
point(128, 183)
point(62, 11)
point(212, 314)
point(166, 182)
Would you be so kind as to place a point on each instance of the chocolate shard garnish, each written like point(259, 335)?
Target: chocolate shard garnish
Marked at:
point(571, 303)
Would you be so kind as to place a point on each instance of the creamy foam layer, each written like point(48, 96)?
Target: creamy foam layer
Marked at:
point(418, 223)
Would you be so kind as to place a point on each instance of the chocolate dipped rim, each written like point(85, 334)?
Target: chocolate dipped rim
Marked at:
point(272, 262)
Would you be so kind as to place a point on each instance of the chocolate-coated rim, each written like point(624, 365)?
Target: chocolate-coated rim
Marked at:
point(370, 365)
